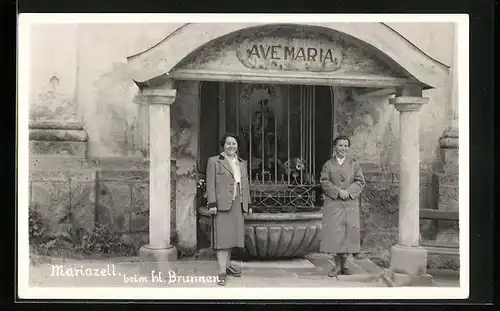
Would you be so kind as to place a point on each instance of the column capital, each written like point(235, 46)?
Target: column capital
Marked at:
point(159, 96)
point(408, 103)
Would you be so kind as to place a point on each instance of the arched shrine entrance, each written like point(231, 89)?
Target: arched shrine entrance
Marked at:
point(272, 84)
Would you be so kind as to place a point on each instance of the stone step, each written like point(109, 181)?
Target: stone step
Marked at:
point(280, 264)
point(439, 250)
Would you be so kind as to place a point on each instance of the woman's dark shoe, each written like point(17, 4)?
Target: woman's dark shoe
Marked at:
point(222, 279)
point(334, 272)
point(344, 271)
point(233, 272)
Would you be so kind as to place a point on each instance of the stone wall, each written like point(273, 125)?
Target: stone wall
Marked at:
point(379, 211)
point(447, 195)
point(73, 196)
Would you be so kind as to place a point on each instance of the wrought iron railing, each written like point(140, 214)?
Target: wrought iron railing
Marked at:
point(275, 198)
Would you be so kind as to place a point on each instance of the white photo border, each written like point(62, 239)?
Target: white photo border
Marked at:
point(25, 291)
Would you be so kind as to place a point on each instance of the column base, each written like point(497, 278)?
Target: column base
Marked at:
point(408, 260)
point(409, 266)
point(154, 260)
point(149, 253)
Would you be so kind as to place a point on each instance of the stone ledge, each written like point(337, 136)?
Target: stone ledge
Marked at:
point(56, 125)
point(57, 135)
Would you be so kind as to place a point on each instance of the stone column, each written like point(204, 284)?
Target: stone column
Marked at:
point(408, 259)
point(159, 248)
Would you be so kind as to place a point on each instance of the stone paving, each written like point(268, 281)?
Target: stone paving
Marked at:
point(131, 272)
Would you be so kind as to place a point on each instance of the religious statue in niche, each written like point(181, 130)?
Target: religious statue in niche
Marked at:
point(263, 136)
point(260, 138)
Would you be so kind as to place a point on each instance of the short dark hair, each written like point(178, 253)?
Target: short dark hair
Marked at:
point(226, 135)
point(341, 137)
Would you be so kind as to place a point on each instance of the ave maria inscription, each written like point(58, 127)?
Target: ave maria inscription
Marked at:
point(290, 54)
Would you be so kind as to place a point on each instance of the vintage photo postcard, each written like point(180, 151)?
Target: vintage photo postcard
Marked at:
point(190, 156)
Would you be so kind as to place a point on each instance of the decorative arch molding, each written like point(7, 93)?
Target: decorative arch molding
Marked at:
point(161, 59)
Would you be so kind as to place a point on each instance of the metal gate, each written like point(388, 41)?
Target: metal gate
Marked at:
point(277, 126)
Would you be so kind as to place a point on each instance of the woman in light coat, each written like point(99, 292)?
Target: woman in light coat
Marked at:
point(228, 197)
point(342, 182)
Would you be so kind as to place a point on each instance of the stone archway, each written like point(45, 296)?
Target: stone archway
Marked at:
point(162, 58)
point(155, 70)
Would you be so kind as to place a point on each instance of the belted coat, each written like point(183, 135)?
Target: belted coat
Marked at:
point(341, 218)
point(220, 183)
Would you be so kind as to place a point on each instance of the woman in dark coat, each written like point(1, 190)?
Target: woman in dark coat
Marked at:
point(342, 182)
point(228, 197)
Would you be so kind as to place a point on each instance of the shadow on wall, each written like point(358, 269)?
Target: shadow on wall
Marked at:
point(365, 123)
point(117, 114)
point(124, 121)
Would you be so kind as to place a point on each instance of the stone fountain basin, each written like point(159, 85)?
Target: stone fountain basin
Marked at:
point(275, 235)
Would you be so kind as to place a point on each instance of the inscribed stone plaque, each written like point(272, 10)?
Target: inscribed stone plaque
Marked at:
point(289, 53)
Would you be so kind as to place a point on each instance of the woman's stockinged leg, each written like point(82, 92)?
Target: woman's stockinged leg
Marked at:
point(222, 258)
point(336, 267)
point(228, 263)
point(343, 258)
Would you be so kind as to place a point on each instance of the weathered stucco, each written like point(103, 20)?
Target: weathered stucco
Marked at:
point(109, 105)
point(53, 72)
point(373, 125)
point(429, 38)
